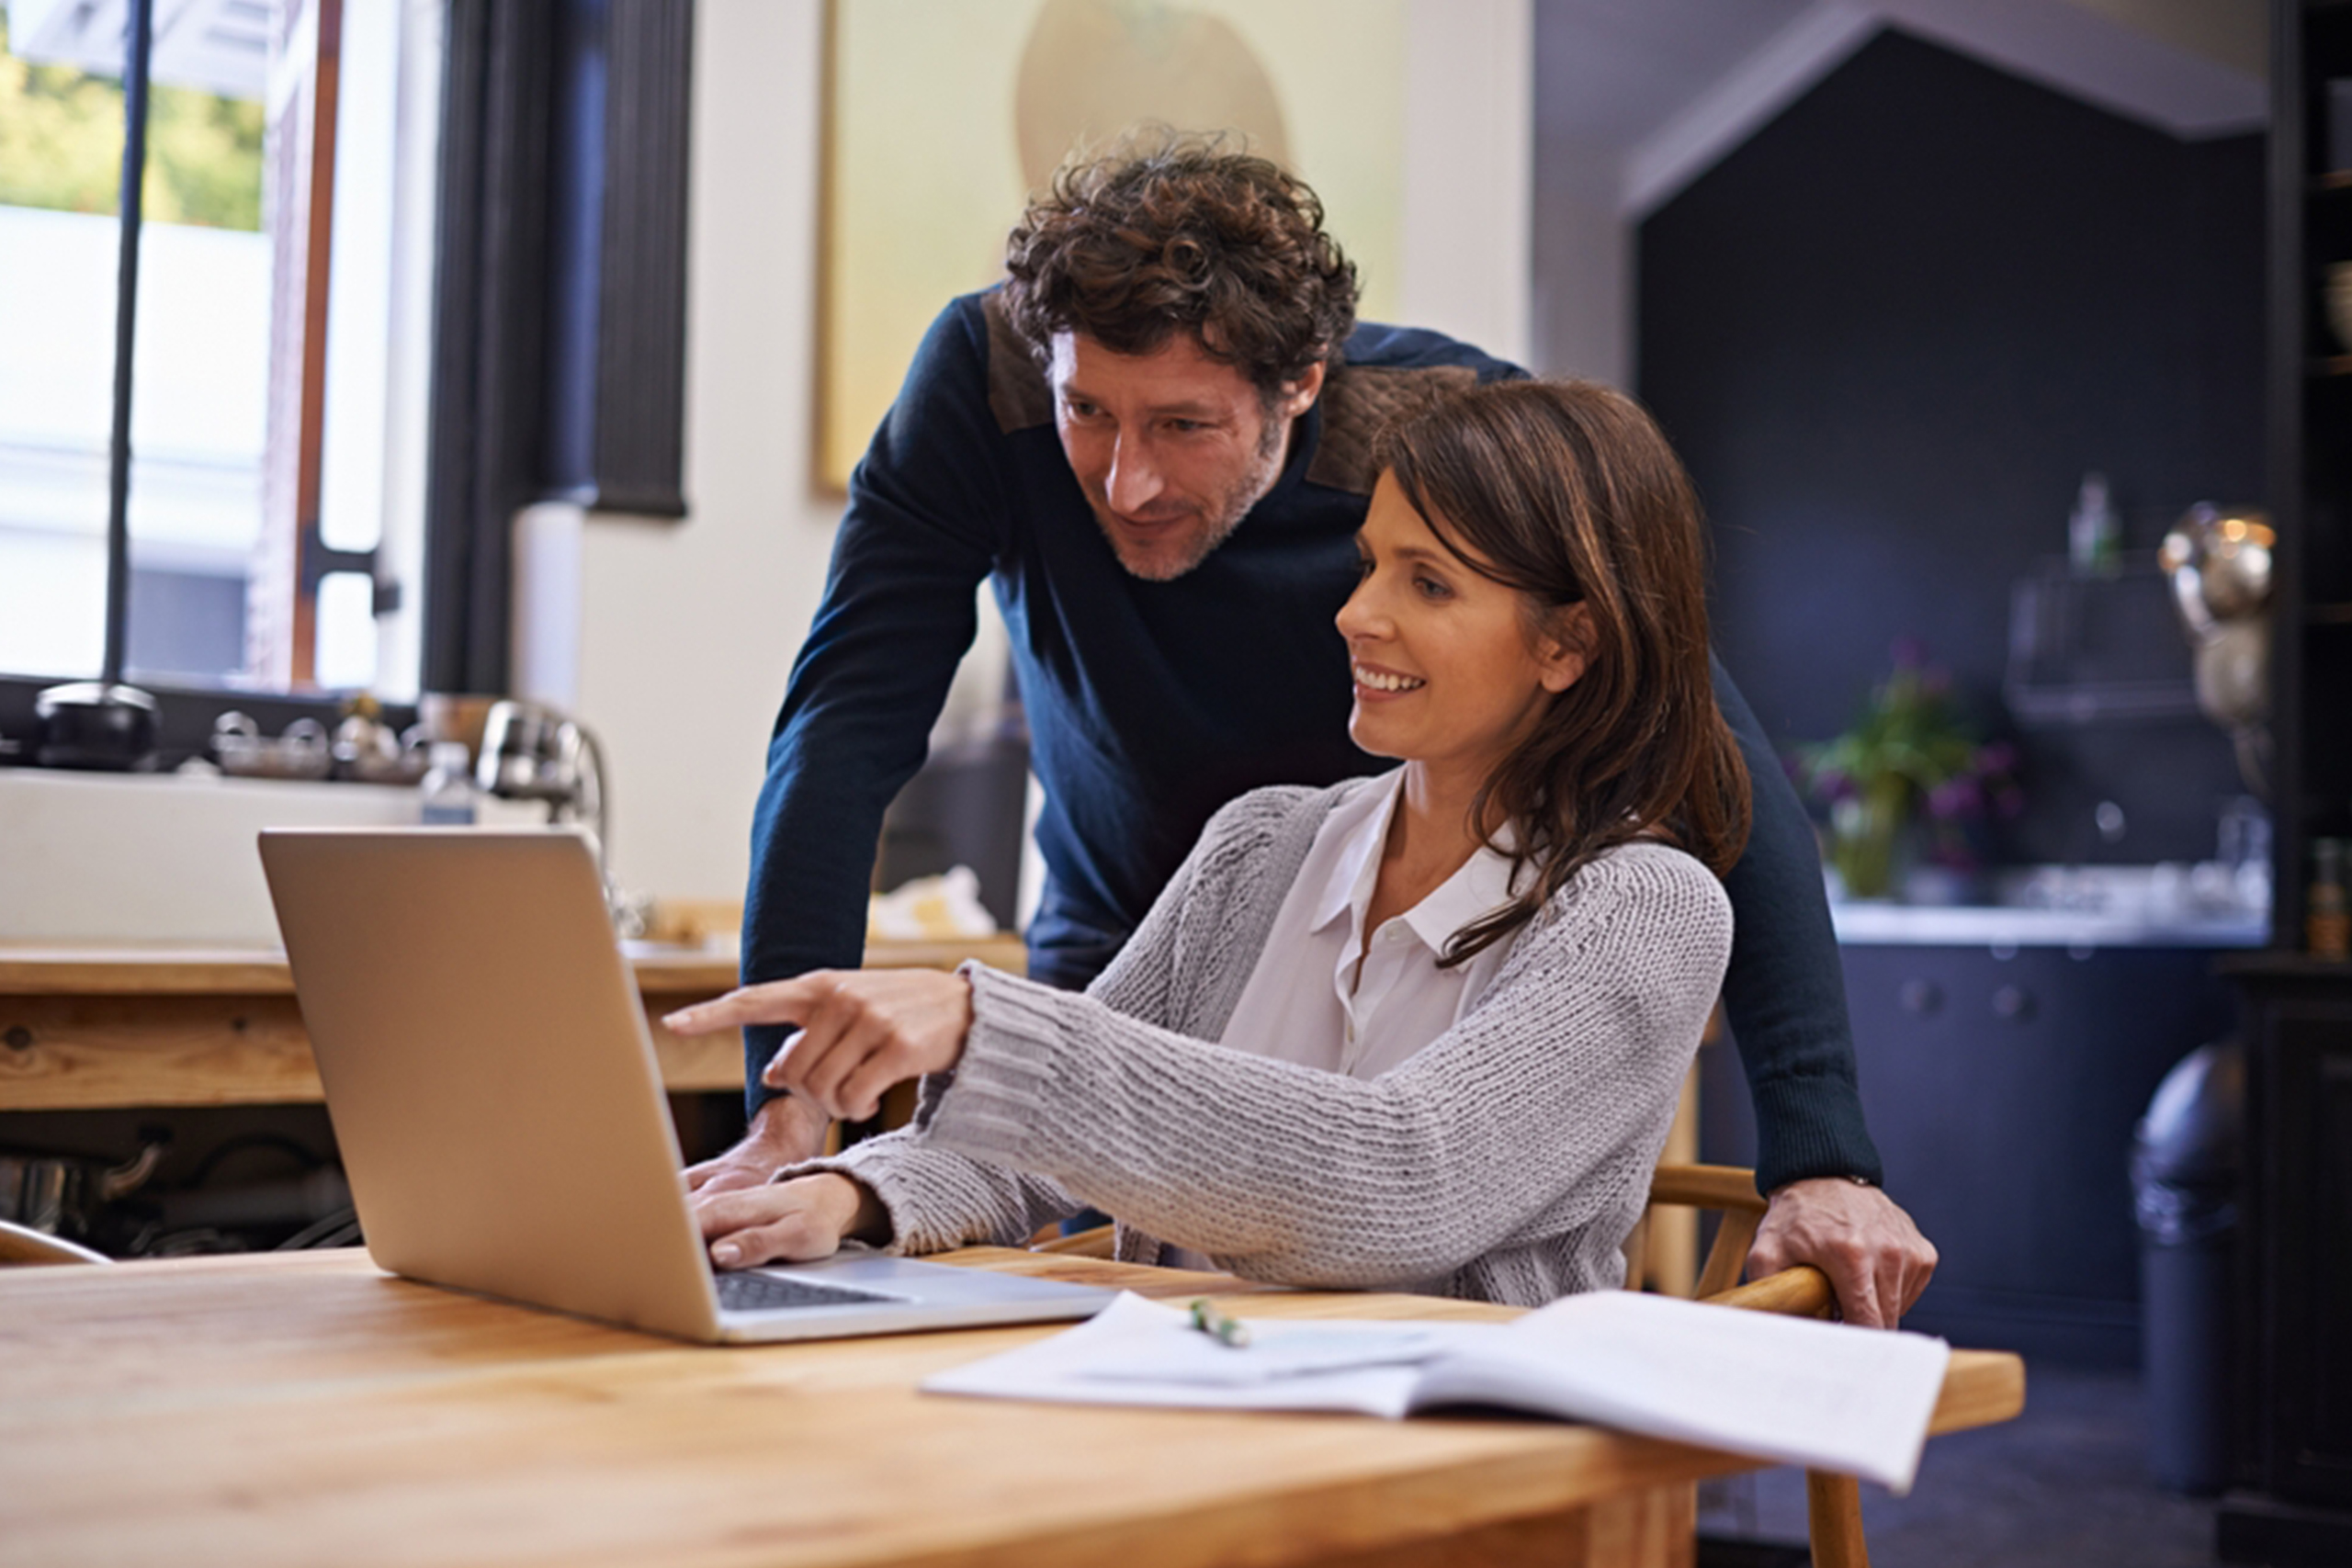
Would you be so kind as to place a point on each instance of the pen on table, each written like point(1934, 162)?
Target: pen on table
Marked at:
point(1229, 1331)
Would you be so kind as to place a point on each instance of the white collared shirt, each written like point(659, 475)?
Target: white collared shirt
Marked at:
point(1305, 1000)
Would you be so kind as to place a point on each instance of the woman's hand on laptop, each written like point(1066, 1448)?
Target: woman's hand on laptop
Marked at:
point(791, 1222)
point(860, 1031)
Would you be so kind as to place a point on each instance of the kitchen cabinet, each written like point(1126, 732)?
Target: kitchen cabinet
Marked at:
point(2295, 1429)
point(2002, 1086)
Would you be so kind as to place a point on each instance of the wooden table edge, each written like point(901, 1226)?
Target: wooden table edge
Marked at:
point(93, 969)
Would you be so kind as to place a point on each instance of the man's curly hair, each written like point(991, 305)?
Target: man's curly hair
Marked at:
point(1183, 233)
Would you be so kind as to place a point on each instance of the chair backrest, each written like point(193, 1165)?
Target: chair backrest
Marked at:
point(1677, 1193)
point(1832, 1502)
point(1661, 1254)
point(22, 1243)
point(1095, 1242)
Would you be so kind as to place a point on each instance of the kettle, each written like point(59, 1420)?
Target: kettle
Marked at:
point(2220, 566)
point(533, 751)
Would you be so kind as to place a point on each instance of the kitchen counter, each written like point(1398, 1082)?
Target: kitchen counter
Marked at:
point(1876, 924)
point(2074, 907)
point(2005, 1056)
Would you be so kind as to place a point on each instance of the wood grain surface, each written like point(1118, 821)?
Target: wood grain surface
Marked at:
point(307, 1408)
point(49, 969)
point(92, 1027)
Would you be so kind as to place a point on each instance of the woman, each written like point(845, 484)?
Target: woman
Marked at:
point(1423, 1030)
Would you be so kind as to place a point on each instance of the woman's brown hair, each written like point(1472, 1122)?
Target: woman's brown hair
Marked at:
point(1568, 491)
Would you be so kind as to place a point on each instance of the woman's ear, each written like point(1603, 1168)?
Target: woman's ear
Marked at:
point(1566, 647)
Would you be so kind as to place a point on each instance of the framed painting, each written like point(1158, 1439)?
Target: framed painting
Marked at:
point(945, 115)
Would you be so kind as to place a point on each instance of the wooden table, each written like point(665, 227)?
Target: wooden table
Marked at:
point(86, 1028)
point(304, 1408)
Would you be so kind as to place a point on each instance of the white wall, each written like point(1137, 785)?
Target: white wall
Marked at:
point(689, 630)
point(1469, 147)
point(672, 639)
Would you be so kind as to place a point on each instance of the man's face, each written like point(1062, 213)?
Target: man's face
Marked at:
point(1171, 447)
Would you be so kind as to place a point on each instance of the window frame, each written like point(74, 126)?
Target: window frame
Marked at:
point(524, 306)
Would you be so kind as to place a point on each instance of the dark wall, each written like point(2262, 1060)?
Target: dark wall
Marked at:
point(1891, 334)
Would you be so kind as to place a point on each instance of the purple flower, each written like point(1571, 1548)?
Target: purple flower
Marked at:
point(2000, 757)
point(1955, 797)
point(1909, 653)
point(1953, 854)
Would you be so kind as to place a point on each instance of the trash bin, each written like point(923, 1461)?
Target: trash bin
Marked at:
point(2185, 1161)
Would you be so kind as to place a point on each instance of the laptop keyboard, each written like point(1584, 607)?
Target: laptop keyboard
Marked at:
point(777, 1292)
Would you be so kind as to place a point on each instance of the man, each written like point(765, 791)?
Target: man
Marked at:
point(1154, 440)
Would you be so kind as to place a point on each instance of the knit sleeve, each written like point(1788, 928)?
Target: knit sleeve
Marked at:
point(939, 1199)
point(1537, 1114)
point(939, 1196)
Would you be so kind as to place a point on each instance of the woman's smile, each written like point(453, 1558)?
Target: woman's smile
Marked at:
point(1374, 681)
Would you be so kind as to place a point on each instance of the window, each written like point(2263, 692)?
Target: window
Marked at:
point(275, 503)
point(406, 267)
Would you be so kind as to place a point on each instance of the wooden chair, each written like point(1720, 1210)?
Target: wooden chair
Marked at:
point(1832, 1502)
point(22, 1243)
point(1095, 1243)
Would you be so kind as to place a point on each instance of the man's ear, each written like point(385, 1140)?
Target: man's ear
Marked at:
point(1565, 647)
point(1300, 395)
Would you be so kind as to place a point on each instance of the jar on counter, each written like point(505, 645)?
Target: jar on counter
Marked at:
point(2327, 918)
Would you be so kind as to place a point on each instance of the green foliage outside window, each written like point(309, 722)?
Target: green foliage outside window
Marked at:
point(60, 147)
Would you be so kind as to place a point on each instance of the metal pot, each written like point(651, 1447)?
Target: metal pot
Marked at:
point(90, 724)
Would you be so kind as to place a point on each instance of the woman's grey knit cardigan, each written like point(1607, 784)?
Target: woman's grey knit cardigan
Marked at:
point(1506, 1161)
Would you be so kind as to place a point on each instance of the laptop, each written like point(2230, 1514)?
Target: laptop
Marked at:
point(501, 1114)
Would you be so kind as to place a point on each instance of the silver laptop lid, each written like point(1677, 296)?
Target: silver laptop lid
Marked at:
point(487, 1069)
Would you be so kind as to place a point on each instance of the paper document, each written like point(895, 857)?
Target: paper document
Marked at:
point(1792, 1390)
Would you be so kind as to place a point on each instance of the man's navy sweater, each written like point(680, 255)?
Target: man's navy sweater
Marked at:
point(1152, 704)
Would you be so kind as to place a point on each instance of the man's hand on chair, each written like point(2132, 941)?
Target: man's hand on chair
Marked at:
point(1876, 1259)
point(784, 1131)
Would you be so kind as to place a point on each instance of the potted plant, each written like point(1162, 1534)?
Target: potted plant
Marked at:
point(1909, 775)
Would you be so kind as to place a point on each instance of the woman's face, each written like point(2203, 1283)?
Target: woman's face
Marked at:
point(1445, 669)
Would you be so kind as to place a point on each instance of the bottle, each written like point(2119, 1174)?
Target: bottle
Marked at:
point(448, 786)
point(2327, 921)
point(2093, 534)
